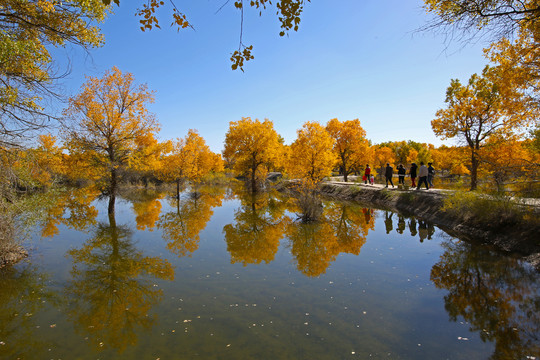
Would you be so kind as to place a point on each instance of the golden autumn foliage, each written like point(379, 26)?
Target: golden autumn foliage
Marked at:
point(111, 293)
point(479, 110)
point(108, 121)
point(77, 204)
point(313, 246)
point(382, 156)
point(404, 152)
point(311, 156)
point(147, 212)
point(513, 25)
point(181, 228)
point(342, 229)
point(351, 225)
point(351, 145)
point(258, 228)
point(189, 159)
point(497, 297)
point(30, 29)
point(252, 148)
point(452, 160)
point(507, 160)
point(50, 161)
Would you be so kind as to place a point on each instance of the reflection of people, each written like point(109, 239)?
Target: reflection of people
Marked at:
point(430, 230)
point(367, 214)
point(412, 172)
point(400, 224)
point(412, 226)
point(388, 172)
point(401, 174)
point(431, 174)
point(388, 221)
point(422, 176)
point(422, 230)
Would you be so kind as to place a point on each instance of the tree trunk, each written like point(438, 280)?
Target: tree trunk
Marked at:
point(113, 189)
point(253, 180)
point(474, 170)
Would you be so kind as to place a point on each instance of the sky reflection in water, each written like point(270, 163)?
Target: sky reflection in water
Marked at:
point(221, 274)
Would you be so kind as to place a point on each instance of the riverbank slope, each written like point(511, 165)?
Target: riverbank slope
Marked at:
point(516, 233)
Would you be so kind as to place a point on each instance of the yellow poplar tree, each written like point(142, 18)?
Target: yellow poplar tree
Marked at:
point(191, 159)
point(478, 110)
point(351, 145)
point(252, 148)
point(49, 160)
point(108, 118)
point(311, 155)
point(383, 155)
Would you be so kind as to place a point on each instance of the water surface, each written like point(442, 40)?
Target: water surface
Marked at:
point(220, 274)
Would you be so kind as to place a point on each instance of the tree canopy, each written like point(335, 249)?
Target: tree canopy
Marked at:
point(251, 148)
point(27, 31)
point(108, 120)
point(479, 110)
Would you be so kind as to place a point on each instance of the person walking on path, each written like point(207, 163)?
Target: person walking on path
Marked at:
point(389, 171)
point(430, 175)
point(422, 176)
point(412, 172)
point(367, 174)
point(401, 174)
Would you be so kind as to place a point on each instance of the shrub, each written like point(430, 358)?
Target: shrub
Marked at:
point(498, 210)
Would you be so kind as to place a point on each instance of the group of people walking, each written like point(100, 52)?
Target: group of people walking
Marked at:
point(424, 173)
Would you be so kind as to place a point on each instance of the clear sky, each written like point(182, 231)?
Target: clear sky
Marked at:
point(350, 59)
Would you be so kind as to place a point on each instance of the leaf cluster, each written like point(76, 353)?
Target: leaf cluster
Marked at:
point(27, 31)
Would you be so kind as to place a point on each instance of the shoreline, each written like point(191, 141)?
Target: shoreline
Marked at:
point(12, 256)
point(428, 205)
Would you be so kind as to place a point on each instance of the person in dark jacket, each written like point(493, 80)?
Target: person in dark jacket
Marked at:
point(412, 172)
point(401, 174)
point(430, 174)
point(389, 171)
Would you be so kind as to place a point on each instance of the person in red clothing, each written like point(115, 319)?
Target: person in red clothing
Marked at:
point(367, 174)
point(414, 169)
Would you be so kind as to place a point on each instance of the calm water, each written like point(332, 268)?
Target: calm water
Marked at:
point(221, 275)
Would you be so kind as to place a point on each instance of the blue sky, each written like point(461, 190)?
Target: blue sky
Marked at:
point(350, 59)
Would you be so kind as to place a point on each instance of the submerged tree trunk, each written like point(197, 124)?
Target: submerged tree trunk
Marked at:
point(112, 200)
point(253, 181)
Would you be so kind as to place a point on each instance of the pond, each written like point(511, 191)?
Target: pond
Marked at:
point(221, 274)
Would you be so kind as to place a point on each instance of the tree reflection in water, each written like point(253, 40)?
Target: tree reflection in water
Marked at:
point(181, 227)
point(263, 219)
point(72, 208)
point(111, 292)
point(342, 229)
point(258, 228)
point(23, 295)
point(497, 295)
